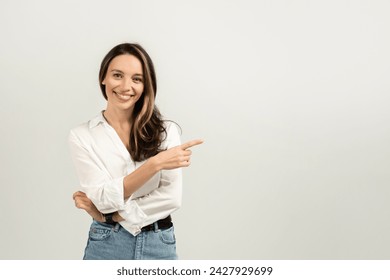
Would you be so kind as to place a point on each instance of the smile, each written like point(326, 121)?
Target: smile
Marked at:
point(124, 97)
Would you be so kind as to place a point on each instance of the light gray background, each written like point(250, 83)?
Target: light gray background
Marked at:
point(291, 98)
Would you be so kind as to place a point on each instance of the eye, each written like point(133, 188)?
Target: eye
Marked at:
point(137, 80)
point(117, 75)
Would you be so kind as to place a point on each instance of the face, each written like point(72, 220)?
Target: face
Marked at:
point(124, 82)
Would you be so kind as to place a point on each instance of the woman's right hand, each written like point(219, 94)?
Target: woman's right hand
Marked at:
point(176, 157)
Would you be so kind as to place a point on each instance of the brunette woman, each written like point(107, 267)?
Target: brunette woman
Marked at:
point(128, 161)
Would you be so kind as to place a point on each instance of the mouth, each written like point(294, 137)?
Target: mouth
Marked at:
point(124, 97)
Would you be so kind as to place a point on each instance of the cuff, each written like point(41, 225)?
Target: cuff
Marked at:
point(134, 217)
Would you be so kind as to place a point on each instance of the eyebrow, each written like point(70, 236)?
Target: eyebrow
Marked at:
point(116, 70)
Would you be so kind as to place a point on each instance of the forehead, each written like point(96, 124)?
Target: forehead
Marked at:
point(126, 63)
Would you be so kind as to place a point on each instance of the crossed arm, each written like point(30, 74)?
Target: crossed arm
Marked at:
point(176, 157)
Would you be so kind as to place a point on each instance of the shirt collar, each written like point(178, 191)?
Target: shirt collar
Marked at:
point(97, 120)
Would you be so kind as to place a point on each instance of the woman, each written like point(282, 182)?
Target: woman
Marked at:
point(128, 161)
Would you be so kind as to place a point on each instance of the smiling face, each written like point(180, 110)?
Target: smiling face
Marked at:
point(124, 82)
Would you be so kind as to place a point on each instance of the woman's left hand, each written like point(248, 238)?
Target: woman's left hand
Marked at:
point(83, 202)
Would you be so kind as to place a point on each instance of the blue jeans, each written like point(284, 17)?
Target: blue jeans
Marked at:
point(108, 242)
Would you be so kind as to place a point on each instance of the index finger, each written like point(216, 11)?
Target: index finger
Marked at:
point(191, 143)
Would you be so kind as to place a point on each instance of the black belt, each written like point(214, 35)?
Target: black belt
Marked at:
point(162, 224)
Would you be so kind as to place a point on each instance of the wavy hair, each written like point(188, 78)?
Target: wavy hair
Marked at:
point(147, 131)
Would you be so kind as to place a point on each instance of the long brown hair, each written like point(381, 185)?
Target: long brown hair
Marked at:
point(147, 131)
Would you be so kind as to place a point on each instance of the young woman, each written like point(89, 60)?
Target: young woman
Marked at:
point(128, 161)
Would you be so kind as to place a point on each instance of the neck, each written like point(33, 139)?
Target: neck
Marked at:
point(118, 118)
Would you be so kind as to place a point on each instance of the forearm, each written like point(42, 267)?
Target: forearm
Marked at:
point(117, 218)
point(136, 179)
point(172, 158)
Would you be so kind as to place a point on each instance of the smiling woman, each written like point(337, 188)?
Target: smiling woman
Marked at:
point(128, 161)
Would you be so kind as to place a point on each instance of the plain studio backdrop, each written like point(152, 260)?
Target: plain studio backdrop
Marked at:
point(291, 97)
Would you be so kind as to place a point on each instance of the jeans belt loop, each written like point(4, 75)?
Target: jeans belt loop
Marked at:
point(155, 224)
point(116, 227)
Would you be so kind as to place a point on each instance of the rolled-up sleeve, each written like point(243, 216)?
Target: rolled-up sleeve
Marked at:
point(103, 190)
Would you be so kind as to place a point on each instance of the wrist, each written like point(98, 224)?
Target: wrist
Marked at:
point(154, 164)
point(117, 218)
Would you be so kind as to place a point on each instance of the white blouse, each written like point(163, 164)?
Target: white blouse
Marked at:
point(102, 161)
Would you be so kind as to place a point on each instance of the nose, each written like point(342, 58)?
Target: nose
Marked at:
point(127, 85)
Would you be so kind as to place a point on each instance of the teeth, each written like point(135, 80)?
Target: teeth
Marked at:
point(124, 96)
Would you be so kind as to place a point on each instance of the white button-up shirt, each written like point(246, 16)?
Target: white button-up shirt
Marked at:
point(102, 161)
